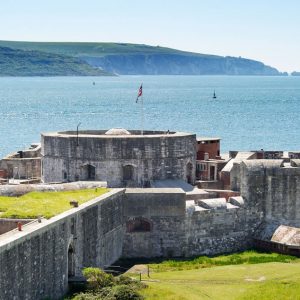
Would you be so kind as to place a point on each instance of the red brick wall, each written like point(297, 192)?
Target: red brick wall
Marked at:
point(213, 149)
point(3, 174)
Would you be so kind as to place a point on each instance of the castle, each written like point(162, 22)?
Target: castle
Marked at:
point(172, 195)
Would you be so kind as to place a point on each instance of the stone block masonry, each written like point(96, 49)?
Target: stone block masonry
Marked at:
point(273, 189)
point(154, 223)
point(151, 222)
point(36, 262)
point(130, 160)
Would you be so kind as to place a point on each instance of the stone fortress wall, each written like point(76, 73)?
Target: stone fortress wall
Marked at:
point(119, 157)
point(272, 188)
point(141, 222)
point(133, 223)
point(36, 262)
point(25, 164)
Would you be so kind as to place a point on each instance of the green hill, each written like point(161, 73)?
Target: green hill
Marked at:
point(93, 49)
point(16, 62)
point(132, 59)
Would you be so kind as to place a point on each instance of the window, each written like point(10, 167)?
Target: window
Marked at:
point(201, 167)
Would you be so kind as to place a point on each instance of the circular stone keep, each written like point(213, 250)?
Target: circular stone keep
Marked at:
point(120, 157)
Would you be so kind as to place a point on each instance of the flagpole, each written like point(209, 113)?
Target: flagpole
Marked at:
point(142, 105)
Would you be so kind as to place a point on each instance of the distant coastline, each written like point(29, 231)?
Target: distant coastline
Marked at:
point(295, 73)
point(103, 59)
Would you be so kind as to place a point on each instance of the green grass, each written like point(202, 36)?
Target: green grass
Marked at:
point(47, 204)
point(16, 62)
point(245, 281)
point(95, 49)
point(247, 257)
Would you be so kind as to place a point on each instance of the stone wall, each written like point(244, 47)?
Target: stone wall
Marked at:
point(273, 189)
point(217, 231)
point(23, 164)
point(176, 230)
point(164, 209)
point(22, 168)
point(36, 262)
point(151, 157)
point(10, 224)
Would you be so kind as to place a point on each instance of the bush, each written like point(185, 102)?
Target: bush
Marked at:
point(87, 296)
point(104, 286)
point(125, 292)
point(97, 279)
point(123, 279)
point(126, 280)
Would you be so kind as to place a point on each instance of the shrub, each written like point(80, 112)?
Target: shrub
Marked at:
point(126, 280)
point(97, 279)
point(87, 296)
point(125, 292)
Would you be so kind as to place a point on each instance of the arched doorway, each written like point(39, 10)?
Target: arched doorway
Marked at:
point(128, 173)
point(71, 261)
point(138, 225)
point(189, 173)
point(88, 172)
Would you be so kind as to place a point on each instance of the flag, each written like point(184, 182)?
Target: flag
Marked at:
point(140, 93)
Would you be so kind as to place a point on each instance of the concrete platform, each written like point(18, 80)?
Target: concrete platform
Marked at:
point(192, 192)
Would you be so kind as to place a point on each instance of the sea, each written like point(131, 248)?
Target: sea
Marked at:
point(249, 113)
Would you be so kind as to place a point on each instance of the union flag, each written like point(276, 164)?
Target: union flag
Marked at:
point(140, 93)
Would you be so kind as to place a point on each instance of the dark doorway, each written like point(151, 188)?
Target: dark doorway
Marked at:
point(138, 225)
point(128, 172)
point(71, 262)
point(212, 172)
point(189, 170)
point(89, 172)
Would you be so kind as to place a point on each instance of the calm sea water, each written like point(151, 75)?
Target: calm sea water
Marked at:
point(249, 112)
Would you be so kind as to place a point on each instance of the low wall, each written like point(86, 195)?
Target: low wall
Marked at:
point(22, 168)
point(19, 190)
point(217, 231)
point(10, 224)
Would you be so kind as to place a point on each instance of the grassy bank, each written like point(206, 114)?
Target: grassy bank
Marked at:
point(47, 204)
point(266, 281)
point(249, 275)
point(247, 257)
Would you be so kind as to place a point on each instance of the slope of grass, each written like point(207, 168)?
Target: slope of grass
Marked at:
point(16, 62)
point(263, 281)
point(46, 204)
point(95, 49)
point(247, 257)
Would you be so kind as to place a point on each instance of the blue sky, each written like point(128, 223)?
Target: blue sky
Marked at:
point(266, 30)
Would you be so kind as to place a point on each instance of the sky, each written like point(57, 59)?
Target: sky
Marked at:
point(264, 30)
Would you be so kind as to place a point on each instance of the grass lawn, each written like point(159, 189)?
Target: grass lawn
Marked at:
point(47, 204)
point(246, 280)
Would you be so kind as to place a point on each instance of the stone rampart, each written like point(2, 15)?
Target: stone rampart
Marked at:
point(36, 262)
point(270, 187)
point(161, 223)
point(145, 223)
